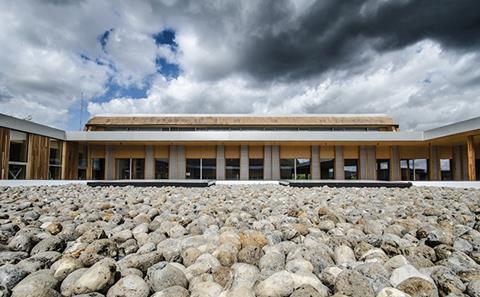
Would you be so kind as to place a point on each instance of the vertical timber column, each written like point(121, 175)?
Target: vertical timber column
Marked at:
point(220, 162)
point(464, 153)
point(181, 162)
point(339, 163)
point(4, 152)
point(172, 162)
point(434, 163)
point(362, 156)
point(89, 163)
point(244, 162)
point(315, 162)
point(149, 163)
point(457, 163)
point(471, 159)
point(395, 173)
point(267, 162)
point(275, 162)
point(38, 157)
point(109, 162)
point(372, 162)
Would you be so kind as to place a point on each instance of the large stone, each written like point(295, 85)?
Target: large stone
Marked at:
point(409, 280)
point(344, 255)
point(392, 292)
point(131, 286)
point(10, 275)
point(279, 284)
point(96, 278)
point(41, 280)
point(163, 275)
point(352, 283)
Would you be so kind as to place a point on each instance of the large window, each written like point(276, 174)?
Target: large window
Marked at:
point(302, 167)
point(383, 169)
point(446, 169)
point(201, 169)
point(55, 159)
point(232, 169)
point(209, 168)
point(327, 168)
point(287, 168)
point(350, 167)
point(98, 168)
point(17, 163)
point(255, 169)
point(161, 168)
point(414, 169)
point(295, 169)
point(130, 168)
point(82, 162)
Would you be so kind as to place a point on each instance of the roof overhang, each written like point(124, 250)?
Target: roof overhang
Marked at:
point(226, 136)
point(30, 127)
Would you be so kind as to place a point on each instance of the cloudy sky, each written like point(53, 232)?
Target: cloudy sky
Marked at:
point(418, 61)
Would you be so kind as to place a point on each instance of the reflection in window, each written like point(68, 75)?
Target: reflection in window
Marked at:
point(351, 168)
point(201, 168)
point(232, 169)
point(17, 163)
point(383, 169)
point(255, 169)
point(287, 168)
point(193, 169)
point(295, 169)
point(446, 169)
point(327, 168)
point(98, 168)
point(130, 168)
point(414, 169)
point(55, 159)
point(82, 162)
point(161, 168)
point(302, 170)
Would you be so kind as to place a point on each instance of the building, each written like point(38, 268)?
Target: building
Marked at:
point(239, 147)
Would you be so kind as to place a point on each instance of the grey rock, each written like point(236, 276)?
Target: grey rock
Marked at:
point(163, 275)
point(10, 275)
point(39, 280)
point(130, 285)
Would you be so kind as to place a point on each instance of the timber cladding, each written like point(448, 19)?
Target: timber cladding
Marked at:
point(70, 157)
point(38, 157)
point(4, 152)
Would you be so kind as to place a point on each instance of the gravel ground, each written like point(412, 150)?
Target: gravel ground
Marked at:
point(239, 241)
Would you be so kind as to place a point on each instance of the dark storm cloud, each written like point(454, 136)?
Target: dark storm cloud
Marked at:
point(335, 34)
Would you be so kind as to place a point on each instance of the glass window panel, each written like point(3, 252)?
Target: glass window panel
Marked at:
point(161, 168)
point(193, 169)
point(446, 169)
point(327, 168)
point(303, 169)
point(17, 171)
point(18, 146)
point(255, 169)
point(232, 169)
point(54, 172)
point(421, 169)
point(98, 169)
point(138, 168)
point(209, 168)
point(383, 169)
point(122, 168)
point(287, 168)
point(55, 152)
point(82, 156)
point(82, 174)
point(351, 168)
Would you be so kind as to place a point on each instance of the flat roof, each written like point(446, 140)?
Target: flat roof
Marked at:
point(242, 120)
point(30, 127)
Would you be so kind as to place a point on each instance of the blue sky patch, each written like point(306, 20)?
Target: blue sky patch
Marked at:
point(167, 69)
point(166, 36)
point(103, 39)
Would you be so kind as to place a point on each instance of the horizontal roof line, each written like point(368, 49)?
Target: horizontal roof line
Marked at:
point(240, 115)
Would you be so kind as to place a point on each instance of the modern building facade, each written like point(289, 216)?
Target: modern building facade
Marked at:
point(239, 147)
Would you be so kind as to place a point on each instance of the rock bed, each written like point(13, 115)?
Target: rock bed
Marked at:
point(239, 241)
